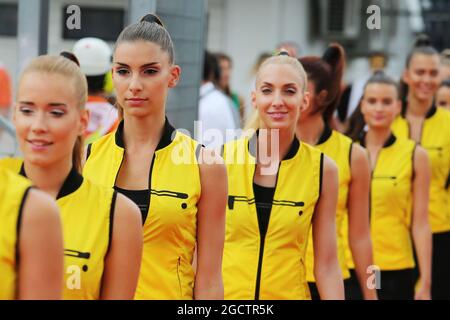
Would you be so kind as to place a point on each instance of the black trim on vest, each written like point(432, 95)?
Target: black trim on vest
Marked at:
point(350, 156)
point(389, 142)
point(448, 182)
point(412, 162)
point(71, 184)
point(19, 223)
point(73, 181)
point(198, 150)
point(252, 147)
point(429, 114)
point(326, 134)
point(88, 151)
point(112, 210)
point(166, 138)
point(321, 173)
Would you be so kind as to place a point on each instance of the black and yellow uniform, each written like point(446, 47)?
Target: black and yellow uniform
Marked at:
point(338, 147)
point(435, 139)
point(266, 260)
point(13, 193)
point(391, 204)
point(87, 214)
point(170, 216)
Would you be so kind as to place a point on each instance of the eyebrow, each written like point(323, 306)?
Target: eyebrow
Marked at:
point(51, 104)
point(284, 85)
point(143, 66)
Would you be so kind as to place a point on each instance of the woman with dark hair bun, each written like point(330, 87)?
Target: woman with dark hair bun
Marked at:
point(422, 121)
point(179, 186)
point(399, 195)
point(324, 85)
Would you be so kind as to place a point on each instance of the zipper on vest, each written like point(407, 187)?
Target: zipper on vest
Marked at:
point(281, 203)
point(262, 238)
point(77, 254)
point(168, 193)
point(150, 185)
point(384, 177)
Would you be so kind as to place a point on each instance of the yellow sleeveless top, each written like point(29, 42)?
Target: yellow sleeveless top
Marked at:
point(391, 205)
point(274, 267)
point(13, 192)
point(435, 140)
point(170, 228)
point(338, 147)
point(86, 213)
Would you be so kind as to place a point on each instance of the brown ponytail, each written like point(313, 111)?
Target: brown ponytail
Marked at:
point(326, 73)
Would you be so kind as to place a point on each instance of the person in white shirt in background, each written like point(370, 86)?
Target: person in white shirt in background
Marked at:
point(94, 56)
point(216, 120)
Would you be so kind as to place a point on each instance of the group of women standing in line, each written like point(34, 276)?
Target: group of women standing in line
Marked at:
point(305, 209)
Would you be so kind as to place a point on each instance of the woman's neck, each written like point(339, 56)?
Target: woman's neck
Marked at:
point(277, 143)
point(143, 132)
point(376, 138)
point(310, 129)
point(418, 108)
point(49, 179)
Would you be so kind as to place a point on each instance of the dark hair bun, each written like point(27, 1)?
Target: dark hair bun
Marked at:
point(70, 56)
point(152, 18)
point(422, 41)
point(334, 54)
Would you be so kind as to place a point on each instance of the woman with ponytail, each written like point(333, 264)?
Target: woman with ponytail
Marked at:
point(398, 197)
point(324, 80)
point(279, 188)
point(422, 121)
point(101, 229)
point(179, 186)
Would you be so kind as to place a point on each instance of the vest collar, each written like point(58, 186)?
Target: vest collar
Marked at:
point(429, 114)
point(72, 183)
point(166, 137)
point(389, 142)
point(253, 141)
point(326, 134)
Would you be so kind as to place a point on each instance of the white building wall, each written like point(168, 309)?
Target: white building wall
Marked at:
point(245, 28)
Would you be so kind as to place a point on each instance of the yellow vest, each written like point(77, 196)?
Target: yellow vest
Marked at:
point(274, 267)
point(436, 141)
point(13, 191)
point(170, 229)
point(391, 205)
point(86, 210)
point(337, 147)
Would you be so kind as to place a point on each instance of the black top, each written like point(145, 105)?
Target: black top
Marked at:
point(263, 201)
point(140, 197)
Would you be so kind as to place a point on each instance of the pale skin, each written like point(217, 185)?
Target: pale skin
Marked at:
point(443, 97)
point(40, 267)
point(143, 75)
point(309, 129)
point(279, 97)
point(48, 122)
point(380, 105)
point(423, 78)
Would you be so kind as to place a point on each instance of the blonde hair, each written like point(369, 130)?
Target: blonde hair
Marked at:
point(254, 122)
point(71, 71)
